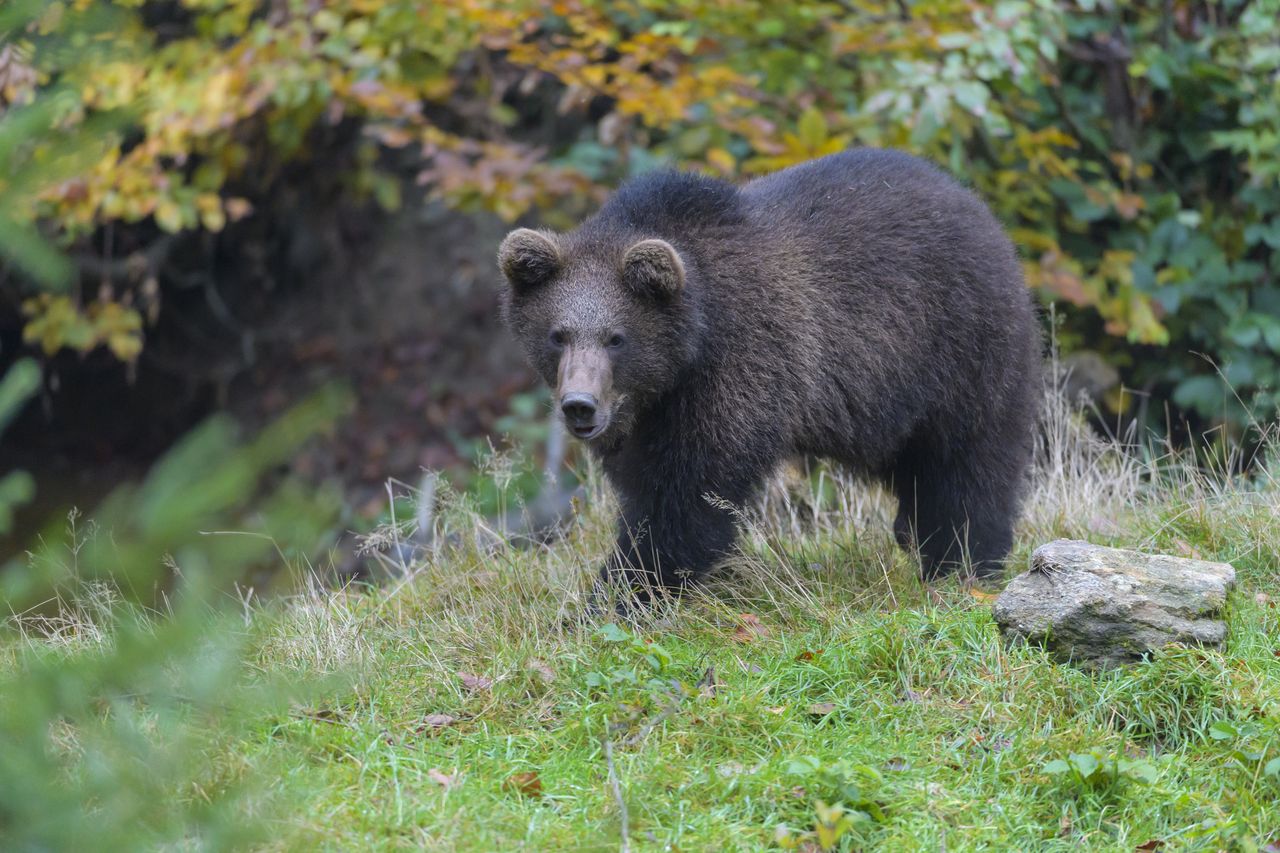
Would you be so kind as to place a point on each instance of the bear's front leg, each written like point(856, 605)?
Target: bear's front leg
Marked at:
point(663, 549)
point(676, 524)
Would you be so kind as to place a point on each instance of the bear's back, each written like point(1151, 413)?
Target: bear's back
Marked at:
point(876, 204)
point(668, 203)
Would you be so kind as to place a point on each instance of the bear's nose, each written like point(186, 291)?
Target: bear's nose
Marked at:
point(578, 408)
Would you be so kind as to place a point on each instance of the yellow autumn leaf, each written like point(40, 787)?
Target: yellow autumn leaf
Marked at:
point(168, 215)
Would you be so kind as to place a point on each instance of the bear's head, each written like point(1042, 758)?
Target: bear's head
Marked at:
point(608, 322)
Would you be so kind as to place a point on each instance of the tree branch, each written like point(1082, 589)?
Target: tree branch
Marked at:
point(132, 267)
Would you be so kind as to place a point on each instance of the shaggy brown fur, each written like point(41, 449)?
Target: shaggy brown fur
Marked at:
point(863, 307)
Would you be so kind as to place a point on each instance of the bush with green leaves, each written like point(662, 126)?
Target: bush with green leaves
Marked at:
point(1133, 149)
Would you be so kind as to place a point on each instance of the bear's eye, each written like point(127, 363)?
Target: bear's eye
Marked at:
point(616, 341)
point(558, 338)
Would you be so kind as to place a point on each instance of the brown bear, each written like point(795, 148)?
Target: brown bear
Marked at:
point(862, 307)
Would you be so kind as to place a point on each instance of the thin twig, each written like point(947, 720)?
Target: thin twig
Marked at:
point(625, 847)
point(131, 267)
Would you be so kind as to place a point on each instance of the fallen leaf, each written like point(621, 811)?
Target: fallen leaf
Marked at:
point(821, 709)
point(777, 710)
point(749, 628)
point(475, 683)
point(435, 722)
point(444, 780)
point(1153, 844)
point(985, 597)
point(1064, 826)
point(546, 673)
point(526, 784)
point(808, 656)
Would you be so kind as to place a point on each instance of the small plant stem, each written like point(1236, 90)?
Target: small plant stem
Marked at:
point(625, 847)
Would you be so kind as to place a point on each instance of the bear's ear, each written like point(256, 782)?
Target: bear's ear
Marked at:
point(528, 258)
point(652, 268)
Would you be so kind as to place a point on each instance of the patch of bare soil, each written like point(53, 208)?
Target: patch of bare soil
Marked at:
point(417, 336)
point(403, 309)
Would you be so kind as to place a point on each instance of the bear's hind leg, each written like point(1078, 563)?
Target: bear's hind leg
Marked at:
point(959, 507)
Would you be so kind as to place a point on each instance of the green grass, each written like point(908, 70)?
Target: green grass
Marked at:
point(852, 683)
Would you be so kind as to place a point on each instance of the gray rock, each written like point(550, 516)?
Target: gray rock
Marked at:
point(1105, 606)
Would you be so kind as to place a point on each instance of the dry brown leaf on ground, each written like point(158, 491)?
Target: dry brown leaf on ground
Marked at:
point(526, 784)
point(750, 628)
point(434, 723)
point(475, 683)
point(544, 672)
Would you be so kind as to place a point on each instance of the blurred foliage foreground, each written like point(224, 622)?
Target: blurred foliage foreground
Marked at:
point(1132, 148)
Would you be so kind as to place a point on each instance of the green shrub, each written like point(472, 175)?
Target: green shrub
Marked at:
point(1132, 148)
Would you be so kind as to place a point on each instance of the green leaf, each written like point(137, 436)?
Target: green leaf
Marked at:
point(1264, 233)
point(1243, 333)
point(771, 28)
point(1139, 771)
point(20, 383)
point(25, 247)
point(812, 129)
point(16, 488)
point(657, 657)
point(1056, 767)
point(1085, 764)
point(972, 96)
point(611, 633)
point(1272, 768)
point(804, 765)
point(1202, 393)
point(1223, 730)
